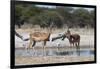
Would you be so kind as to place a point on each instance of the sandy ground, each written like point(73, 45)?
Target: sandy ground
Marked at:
point(20, 60)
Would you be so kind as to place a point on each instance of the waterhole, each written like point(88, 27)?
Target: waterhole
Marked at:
point(53, 52)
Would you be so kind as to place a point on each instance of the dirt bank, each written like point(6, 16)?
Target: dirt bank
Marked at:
point(20, 60)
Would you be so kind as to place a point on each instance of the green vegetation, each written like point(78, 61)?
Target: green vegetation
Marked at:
point(58, 16)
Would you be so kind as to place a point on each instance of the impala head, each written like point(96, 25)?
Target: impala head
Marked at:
point(68, 33)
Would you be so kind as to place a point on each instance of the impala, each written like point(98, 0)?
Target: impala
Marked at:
point(74, 39)
point(42, 36)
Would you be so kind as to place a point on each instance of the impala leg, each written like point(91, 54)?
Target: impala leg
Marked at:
point(34, 42)
point(33, 49)
point(44, 48)
point(78, 48)
point(73, 43)
point(44, 43)
point(70, 45)
point(30, 45)
point(76, 44)
point(79, 44)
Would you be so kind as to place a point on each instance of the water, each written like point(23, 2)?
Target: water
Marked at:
point(53, 52)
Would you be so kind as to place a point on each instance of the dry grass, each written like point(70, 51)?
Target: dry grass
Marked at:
point(81, 31)
point(20, 60)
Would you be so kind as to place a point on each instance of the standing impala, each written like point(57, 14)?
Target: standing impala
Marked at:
point(74, 39)
point(38, 36)
point(42, 36)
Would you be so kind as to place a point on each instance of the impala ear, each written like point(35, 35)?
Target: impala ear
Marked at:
point(65, 32)
point(68, 31)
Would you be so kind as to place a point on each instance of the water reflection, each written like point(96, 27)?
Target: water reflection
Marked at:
point(53, 52)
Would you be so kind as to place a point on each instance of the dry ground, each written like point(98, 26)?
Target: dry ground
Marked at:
point(20, 60)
